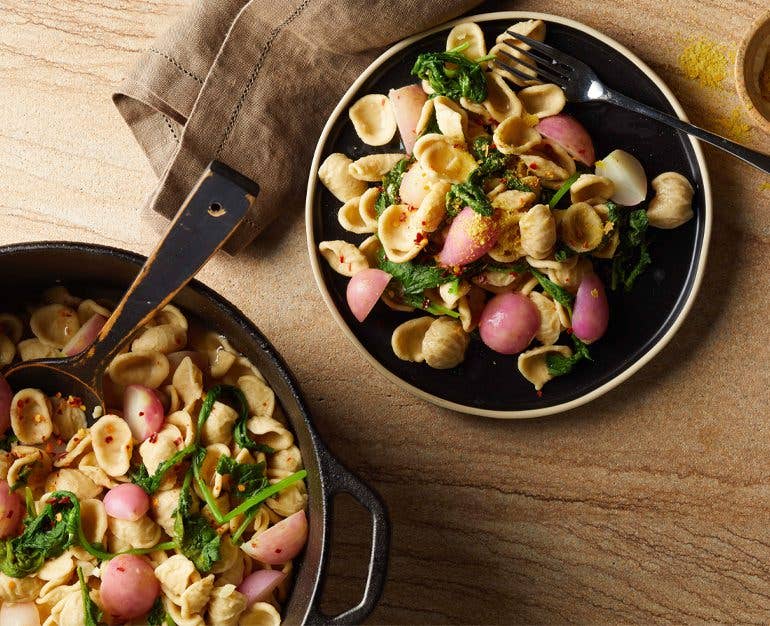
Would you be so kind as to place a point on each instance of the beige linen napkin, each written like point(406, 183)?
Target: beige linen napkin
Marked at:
point(251, 83)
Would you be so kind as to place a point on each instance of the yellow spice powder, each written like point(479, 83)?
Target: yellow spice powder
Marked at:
point(764, 186)
point(705, 61)
point(734, 126)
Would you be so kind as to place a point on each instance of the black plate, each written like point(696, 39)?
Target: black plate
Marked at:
point(487, 381)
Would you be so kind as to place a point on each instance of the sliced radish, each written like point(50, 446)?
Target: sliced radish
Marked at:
point(407, 105)
point(143, 411)
point(364, 290)
point(5, 404)
point(85, 336)
point(126, 501)
point(628, 175)
point(591, 314)
point(571, 135)
point(279, 543)
point(470, 237)
point(11, 510)
point(258, 585)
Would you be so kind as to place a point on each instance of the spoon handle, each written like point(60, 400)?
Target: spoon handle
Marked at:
point(216, 205)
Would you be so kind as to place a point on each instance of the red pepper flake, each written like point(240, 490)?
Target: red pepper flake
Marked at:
point(569, 331)
point(342, 259)
point(108, 439)
point(419, 237)
point(121, 569)
point(402, 217)
point(278, 550)
point(141, 413)
point(533, 166)
point(539, 393)
point(9, 514)
point(153, 437)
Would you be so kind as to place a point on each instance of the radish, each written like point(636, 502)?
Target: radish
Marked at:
point(11, 510)
point(143, 411)
point(279, 543)
point(591, 313)
point(5, 405)
point(407, 105)
point(570, 135)
point(509, 323)
point(129, 587)
point(364, 290)
point(470, 237)
point(85, 335)
point(628, 175)
point(258, 585)
point(126, 501)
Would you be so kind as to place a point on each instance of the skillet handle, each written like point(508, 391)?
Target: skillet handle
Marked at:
point(340, 480)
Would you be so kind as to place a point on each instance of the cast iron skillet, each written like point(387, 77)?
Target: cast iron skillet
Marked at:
point(84, 267)
point(641, 322)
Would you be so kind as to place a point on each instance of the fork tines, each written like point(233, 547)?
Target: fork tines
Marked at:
point(541, 59)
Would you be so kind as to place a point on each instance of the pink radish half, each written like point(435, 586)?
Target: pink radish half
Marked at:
point(126, 501)
point(279, 543)
point(591, 313)
point(11, 510)
point(129, 587)
point(85, 336)
point(258, 585)
point(364, 290)
point(470, 237)
point(143, 411)
point(407, 104)
point(570, 135)
point(5, 405)
point(509, 323)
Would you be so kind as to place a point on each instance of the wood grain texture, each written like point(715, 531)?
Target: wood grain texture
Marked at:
point(648, 505)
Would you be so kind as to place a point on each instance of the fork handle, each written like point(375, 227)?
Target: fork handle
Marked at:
point(752, 157)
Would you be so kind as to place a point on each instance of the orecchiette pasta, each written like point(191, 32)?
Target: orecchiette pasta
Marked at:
point(444, 343)
point(671, 206)
point(407, 339)
point(226, 605)
point(533, 363)
point(451, 118)
point(113, 445)
point(31, 416)
point(439, 156)
point(580, 227)
point(373, 167)
point(542, 100)
point(501, 103)
point(401, 233)
point(54, 324)
point(373, 118)
point(471, 34)
point(30, 349)
point(343, 257)
point(335, 175)
point(515, 136)
point(538, 231)
point(139, 368)
point(592, 189)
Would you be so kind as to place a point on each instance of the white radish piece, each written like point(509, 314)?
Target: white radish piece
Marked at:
point(11, 511)
point(570, 135)
point(627, 173)
point(126, 501)
point(591, 313)
point(129, 587)
point(509, 322)
point(407, 105)
point(258, 585)
point(470, 237)
point(364, 290)
point(85, 335)
point(19, 614)
point(5, 405)
point(143, 411)
point(279, 543)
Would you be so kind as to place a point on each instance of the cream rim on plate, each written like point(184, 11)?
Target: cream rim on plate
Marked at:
point(513, 414)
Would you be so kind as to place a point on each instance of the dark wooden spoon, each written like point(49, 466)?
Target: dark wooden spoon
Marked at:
point(209, 215)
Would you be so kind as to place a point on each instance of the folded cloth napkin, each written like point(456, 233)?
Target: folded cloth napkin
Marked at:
point(251, 83)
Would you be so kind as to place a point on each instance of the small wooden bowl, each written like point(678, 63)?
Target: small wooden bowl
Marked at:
point(752, 60)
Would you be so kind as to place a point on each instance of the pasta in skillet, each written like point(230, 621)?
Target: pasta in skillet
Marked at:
point(183, 504)
point(496, 219)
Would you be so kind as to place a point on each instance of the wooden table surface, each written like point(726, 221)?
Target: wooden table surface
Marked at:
point(650, 504)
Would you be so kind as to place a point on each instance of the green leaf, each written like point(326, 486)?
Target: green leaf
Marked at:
point(415, 278)
point(420, 301)
point(391, 184)
point(157, 614)
point(23, 476)
point(197, 540)
point(466, 194)
point(563, 252)
point(559, 294)
point(513, 182)
point(559, 365)
point(632, 256)
point(491, 160)
point(245, 478)
point(240, 432)
point(152, 483)
point(465, 78)
point(561, 191)
point(9, 440)
point(91, 611)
